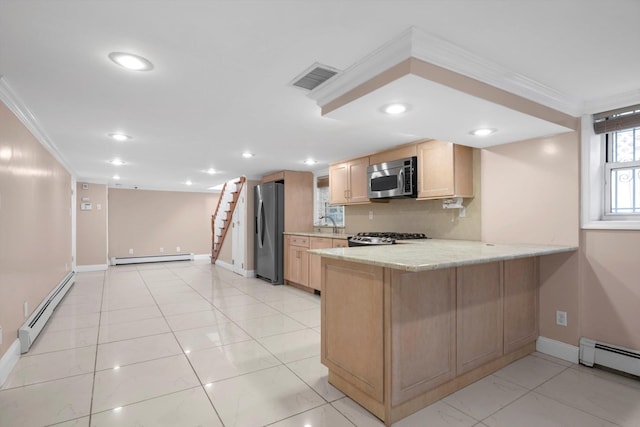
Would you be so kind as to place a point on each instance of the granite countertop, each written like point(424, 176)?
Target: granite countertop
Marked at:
point(318, 234)
point(432, 254)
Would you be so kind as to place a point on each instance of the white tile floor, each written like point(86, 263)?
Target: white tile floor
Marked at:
point(188, 344)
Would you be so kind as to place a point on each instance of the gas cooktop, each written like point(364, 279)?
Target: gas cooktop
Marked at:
point(382, 238)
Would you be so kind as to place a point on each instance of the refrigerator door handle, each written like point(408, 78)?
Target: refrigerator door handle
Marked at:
point(260, 225)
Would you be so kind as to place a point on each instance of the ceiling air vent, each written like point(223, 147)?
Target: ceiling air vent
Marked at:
point(314, 76)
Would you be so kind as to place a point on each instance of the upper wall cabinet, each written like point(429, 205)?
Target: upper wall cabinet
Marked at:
point(348, 182)
point(298, 198)
point(444, 170)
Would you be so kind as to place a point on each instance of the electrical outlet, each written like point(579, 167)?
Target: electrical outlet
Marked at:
point(161, 250)
point(26, 309)
point(561, 318)
point(370, 214)
point(177, 248)
point(0, 335)
point(131, 251)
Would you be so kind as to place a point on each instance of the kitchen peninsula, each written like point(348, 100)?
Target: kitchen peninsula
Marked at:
point(404, 325)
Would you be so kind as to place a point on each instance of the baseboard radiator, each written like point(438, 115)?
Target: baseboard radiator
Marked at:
point(28, 332)
point(152, 258)
point(612, 356)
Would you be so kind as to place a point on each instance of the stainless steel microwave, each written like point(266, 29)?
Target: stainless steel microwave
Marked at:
point(397, 178)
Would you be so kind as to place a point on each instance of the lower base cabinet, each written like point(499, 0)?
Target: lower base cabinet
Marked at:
point(296, 261)
point(301, 267)
point(396, 341)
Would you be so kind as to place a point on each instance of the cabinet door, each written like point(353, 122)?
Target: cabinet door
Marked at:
point(520, 303)
point(352, 341)
point(423, 331)
point(357, 191)
point(338, 184)
point(435, 169)
point(298, 265)
point(479, 315)
point(315, 260)
point(287, 258)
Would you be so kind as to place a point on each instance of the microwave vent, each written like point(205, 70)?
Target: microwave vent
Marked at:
point(314, 76)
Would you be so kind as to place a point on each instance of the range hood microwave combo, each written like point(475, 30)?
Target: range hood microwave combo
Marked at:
point(394, 179)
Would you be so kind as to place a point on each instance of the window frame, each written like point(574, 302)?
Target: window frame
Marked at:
point(609, 167)
point(592, 170)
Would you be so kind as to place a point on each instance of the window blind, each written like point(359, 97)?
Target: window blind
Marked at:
point(619, 119)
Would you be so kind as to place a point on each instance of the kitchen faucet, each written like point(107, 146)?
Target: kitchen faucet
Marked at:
point(335, 227)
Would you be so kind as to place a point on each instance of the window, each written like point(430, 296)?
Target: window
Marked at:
point(610, 170)
point(322, 207)
point(622, 174)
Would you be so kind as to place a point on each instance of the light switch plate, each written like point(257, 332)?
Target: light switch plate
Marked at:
point(561, 318)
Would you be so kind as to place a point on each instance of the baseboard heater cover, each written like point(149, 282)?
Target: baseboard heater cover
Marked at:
point(609, 355)
point(30, 330)
point(151, 258)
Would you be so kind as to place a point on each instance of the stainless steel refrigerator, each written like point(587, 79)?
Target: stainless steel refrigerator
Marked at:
point(269, 222)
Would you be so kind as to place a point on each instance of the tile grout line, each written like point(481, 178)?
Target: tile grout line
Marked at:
point(566, 403)
point(282, 363)
point(202, 387)
point(95, 361)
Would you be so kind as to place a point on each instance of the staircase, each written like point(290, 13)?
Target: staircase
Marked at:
point(223, 214)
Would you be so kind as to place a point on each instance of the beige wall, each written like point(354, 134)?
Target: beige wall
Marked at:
point(91, 225)
point(146, 221)
point(420, 216)
point(530, 194)
point(35, 223)
point(610, 297)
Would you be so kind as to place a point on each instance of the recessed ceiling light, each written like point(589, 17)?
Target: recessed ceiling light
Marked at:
point(120, 136)
point(310, 162)
point(247, 155)
point(394, 109)
point(483, 132)
point(189, 183)
point(211, 171)
point(116, 177)
point(131, 61)
point(117, 162)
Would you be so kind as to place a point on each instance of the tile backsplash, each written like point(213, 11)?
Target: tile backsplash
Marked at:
point(419, 216)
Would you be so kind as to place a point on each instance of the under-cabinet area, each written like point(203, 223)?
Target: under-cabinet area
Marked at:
point(397, 337)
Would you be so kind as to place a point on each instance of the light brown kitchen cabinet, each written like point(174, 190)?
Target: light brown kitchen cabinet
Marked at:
point(395, 341)
point(296, 267)
point(340, 243)
point(298, 198)
point(396, 153)
point(479, 315)
point(315, 281)
point(348, 182)
point(352, 343)
point(520, 302)
point(444, 170)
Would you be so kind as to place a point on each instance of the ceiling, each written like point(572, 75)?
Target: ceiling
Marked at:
point(222, 72)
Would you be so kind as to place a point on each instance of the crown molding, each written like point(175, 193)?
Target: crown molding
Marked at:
point(28, 119)
point(612, 102)
point(417, 43)
point(381, 59)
